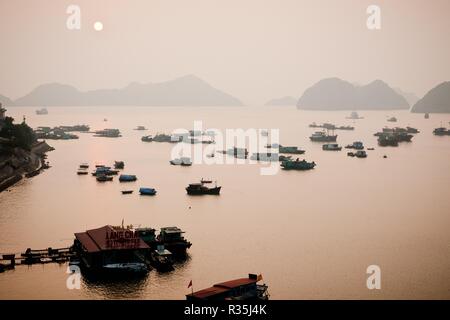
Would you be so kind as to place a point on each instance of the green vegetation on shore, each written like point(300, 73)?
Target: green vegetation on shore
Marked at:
point(15, 135)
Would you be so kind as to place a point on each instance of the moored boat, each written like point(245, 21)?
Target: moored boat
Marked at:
point(238, 289)
point(161, 259)
point(290, 150)
point(357, 145)
point(127, 178)
point(297, 165)
point(119, 164)
point(331, 147)
point(202, 188)
point(148, 138)
point(361, 154)
point(321, 136)
point(147, 191)
point(103, 178)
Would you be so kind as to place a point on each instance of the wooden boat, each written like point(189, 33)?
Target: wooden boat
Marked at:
point(195, 189)
point(147, 191)
point(127, 191)
point(103, 178)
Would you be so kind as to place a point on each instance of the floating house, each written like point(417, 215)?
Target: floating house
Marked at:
point(112, 249)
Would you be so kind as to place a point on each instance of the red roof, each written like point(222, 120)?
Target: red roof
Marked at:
point(109, 238)
point(222, 287)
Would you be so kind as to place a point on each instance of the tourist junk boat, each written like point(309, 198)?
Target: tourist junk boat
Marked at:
point(147, 191)
point(201, 188)
point(321, 136)
point(331, 147)
point(297, 165)
point(239, 289)
point(112, 250)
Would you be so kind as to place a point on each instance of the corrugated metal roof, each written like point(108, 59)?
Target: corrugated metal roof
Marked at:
point(223, 287)
point(109, 238)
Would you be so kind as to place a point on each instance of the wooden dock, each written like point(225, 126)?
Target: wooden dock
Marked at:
point(29, 257)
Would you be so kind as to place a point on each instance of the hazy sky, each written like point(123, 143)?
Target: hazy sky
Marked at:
point(253, 49)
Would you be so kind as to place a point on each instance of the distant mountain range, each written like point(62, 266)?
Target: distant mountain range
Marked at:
point(437, 100)
point(337, 94)
point(185, 91)
point(5, 101)
point(284, 101)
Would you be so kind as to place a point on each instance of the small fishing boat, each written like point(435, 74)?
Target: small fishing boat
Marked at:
point(127, 191)
point(147, 139)
point(119, 164)
point(84, 166)
point(103, 178)
point(42, 111)
point(161, 259)
point(129, 267)
point(361, 154)
point(147, 191)
point(201, 188)
point(82, 172)
point(127, 178)
point(331, 147)
point(140, 128)
point(357, 145)
point(183, 161)
point(392, 119)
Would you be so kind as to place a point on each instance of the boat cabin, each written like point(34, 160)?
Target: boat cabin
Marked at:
point(239, 289)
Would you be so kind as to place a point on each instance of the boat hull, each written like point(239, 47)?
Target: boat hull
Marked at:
point(198, 192)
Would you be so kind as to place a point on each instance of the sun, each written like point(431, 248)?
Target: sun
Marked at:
point(98, 26)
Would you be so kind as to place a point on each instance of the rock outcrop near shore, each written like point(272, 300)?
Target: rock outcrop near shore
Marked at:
point(337, 94)
point(437, 100)
point(20, 162)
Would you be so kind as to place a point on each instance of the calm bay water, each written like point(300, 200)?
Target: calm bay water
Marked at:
point(310, 234)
